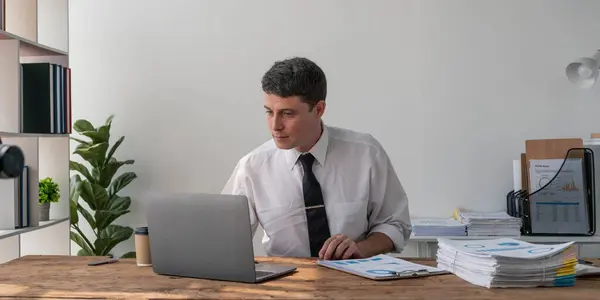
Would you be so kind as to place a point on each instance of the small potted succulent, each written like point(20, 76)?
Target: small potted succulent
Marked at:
point(49, 193)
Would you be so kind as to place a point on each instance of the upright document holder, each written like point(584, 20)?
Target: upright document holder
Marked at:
point(382, 267)
point(562, 201)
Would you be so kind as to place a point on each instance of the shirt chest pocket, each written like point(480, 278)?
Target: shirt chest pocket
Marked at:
point(348, 218)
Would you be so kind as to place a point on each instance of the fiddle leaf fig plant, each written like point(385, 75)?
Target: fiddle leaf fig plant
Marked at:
point(97, 186)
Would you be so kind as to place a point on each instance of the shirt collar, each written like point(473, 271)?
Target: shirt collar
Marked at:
point(319, 150)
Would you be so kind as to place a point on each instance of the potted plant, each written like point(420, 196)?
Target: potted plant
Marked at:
point(95, 190)
point(49, 193)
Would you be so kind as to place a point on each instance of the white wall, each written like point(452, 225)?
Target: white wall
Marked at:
point(451, 88)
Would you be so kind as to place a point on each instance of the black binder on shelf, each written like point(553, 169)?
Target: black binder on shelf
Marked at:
point(562, 202)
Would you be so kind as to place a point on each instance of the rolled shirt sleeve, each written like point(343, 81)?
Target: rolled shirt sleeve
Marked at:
point(389, 211)
point(237, 184)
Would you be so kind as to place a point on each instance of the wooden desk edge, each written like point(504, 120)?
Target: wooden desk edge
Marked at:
point(56, 276)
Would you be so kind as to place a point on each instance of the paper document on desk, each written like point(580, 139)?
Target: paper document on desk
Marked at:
point(560, 205)
point(382, 267)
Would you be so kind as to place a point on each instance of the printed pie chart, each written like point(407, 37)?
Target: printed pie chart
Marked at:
point(543, 181)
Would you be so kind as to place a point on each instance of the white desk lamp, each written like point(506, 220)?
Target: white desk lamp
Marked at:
point(584, 72)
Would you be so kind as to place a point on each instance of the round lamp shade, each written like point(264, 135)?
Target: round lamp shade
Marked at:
point(584, 72)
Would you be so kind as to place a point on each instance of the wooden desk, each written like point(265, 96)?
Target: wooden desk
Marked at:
point(68, 277)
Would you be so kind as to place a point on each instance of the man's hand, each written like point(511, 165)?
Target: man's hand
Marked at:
point(340, 246)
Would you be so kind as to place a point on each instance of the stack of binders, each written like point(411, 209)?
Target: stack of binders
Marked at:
point(508, 263)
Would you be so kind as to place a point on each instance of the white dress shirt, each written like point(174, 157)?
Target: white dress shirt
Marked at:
point(361, 191)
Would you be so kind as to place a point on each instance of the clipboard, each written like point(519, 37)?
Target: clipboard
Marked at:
point(382, 267)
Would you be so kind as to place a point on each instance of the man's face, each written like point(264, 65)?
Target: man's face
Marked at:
point(291, 122)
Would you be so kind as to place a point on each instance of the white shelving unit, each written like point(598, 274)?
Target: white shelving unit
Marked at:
point(34, 31)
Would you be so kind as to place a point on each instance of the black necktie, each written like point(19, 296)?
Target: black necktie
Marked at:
point(316, 216)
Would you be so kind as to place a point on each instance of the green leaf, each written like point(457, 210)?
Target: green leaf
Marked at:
point(94, 195)
point(75, 237)
point(130, 254)
point(109, 120)
point(110, 169)
point(86, 143)
point(114, 148)
point(105, 217)
point(49, 191)
point(120, 182)
point(75, 166)
point(101, 135)
point(110, 237)
point(74, 217)
point(81, 147)
point(75, 187)
point(87, 215)
point(104, 130)
point(117, 203)
point(83, 125)
point(83, 252)
point(94, 154)
point(96, 175)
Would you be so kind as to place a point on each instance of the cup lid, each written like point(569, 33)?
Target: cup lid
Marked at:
point(141, 230)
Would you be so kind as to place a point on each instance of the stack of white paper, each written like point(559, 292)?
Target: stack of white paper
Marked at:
point(489, 224)
point(508, 262)
point(438, 227)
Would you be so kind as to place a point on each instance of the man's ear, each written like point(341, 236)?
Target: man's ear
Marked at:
point(320, 108)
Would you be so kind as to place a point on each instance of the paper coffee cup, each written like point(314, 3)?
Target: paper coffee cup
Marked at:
point(142, 247)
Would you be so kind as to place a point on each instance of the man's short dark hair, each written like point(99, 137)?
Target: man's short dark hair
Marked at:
point(296, 76)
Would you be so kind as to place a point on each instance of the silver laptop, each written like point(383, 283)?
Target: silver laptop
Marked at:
point(205, 236)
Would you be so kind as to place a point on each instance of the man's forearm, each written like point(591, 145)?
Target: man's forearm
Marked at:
point(376, 243)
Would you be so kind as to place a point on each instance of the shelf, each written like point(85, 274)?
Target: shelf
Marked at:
point(35, 116)
point(527, 238)
point(43, 224)
point(35, 92)
point(30, 48)
point(45, 157)
point(44, 135)
point(41, 27)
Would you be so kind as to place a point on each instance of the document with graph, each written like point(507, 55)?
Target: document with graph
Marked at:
point(560, 202)
point(382, 267)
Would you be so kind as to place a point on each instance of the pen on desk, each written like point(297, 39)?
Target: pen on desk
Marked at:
point(103, 262)
point(585, 262)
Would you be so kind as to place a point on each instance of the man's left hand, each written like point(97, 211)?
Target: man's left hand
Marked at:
point(340, 246)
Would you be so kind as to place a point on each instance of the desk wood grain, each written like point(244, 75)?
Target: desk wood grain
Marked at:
point(69, 277)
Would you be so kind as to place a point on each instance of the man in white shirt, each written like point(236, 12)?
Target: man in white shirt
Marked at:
point(317, 190)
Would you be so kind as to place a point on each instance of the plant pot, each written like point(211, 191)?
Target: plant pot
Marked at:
point(44, 211)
